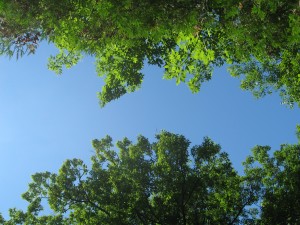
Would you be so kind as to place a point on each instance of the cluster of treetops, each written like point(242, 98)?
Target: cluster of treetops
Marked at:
point(165, 182)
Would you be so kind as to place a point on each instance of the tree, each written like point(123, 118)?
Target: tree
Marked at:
point(279, 178)
point(166, 182)
point(259, 39)
point(18, 35)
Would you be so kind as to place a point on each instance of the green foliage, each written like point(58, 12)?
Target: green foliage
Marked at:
point(18, 34)
point(68, 60)
point(298, 132)
point(260, 39)
point(278, 177)
point(190, 58)
point(165, 182)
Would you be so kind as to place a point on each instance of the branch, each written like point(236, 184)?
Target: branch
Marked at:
point(91, 203)
point(241, 209)
point(140, 217)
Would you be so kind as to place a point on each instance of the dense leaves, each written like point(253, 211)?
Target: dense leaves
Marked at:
point(260, 40)
point(166, 182)
point(279, 176)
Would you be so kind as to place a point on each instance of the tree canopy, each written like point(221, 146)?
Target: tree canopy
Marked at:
point(279, 179)
point(259, 39)
point(166, 182)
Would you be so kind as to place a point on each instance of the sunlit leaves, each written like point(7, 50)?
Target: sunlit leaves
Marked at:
point(63, 58)
point(187, 38)
point(190, 59)
point(121, 68)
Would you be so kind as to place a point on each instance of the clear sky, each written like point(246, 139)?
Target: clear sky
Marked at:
point(46, 119)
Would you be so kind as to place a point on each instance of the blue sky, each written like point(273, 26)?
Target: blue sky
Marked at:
point(46, 119)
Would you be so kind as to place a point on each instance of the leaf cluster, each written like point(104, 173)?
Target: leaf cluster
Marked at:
point(259, 39)
point(166, 182)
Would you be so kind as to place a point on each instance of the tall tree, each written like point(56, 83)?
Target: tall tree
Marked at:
point(166, 182)
point(279, 178)
point(260, 39)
